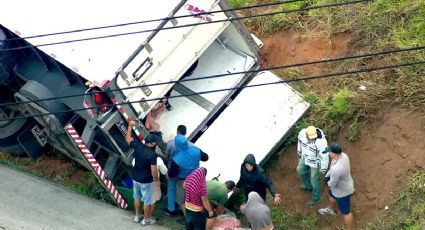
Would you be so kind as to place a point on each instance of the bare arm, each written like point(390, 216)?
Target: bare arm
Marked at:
point(128, 137)
point(207, 205)
point(154, 173)
point(219, 209)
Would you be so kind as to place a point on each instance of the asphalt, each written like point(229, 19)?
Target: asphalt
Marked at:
point(29, 202)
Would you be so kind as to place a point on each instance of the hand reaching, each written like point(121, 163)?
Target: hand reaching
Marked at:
point(132, 123)
point(277, 199)
point(157, 183)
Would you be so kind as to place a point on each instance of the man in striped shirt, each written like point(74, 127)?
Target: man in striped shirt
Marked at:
point(197, 206)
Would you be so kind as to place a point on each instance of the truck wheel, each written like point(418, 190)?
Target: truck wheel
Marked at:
point(11, 129)
point(33, 90)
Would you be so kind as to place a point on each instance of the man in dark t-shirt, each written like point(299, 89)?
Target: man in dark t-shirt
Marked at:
point(145, 175)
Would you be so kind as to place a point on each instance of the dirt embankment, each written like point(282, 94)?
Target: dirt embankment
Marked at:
point(288, 47)
point(386, 150)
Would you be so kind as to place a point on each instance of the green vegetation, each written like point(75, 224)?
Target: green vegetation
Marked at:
point(89, 186)
point(343, 105)
point(283, 220)
point(241, 3)
point(373, 26)
point(409, 213)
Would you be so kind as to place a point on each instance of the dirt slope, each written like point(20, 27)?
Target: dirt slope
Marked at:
point(386, 150)
point(288, 47)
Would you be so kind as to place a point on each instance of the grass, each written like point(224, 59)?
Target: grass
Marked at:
point(89, 186)
point(379, 25)
point(341, 105)
point(409, 213)
point(284, 220)
point(241, 3)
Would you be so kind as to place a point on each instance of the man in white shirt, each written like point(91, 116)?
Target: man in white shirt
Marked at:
point(313, 161)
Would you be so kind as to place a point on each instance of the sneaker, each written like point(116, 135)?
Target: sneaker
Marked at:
point(137, 219)
point(148, 222)
point(327, 211)
point(170, 213)
point(312, 202)
point(181, 221)
point(304, 188)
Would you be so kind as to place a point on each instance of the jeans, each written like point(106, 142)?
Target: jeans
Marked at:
point(196, 220)
point(171, 192)
point(310, 177)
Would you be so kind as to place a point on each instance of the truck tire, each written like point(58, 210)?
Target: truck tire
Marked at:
point(35, 91)
point(10, 130)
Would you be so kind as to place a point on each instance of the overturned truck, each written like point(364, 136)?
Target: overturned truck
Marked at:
point(78, 96)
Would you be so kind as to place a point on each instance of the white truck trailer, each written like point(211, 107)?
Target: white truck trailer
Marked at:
point(226, 124)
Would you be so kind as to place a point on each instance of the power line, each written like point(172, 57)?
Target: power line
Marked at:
point(235, 88)
point(187, 25)
point(229, 74)
point(153, 20)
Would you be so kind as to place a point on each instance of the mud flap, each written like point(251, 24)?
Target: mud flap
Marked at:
point(33, 140)
point(95, 167)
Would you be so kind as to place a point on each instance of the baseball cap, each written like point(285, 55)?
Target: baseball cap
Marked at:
point(150, 138)
point(334, 148)
point(311, 132)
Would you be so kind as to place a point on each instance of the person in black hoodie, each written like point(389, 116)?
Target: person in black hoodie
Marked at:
point(253, 179)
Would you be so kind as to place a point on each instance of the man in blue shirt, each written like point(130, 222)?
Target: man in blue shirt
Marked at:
point(183, 162)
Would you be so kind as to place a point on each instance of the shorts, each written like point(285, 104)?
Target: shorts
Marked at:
point(143, 190)
point(343, 203)
point(179, 198)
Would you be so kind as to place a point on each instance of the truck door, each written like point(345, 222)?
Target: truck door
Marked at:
point(167, 54)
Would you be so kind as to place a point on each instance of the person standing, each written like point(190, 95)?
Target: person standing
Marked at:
point(196, 202)
point(257, 212)
point(313, 161)
point(341, 186)
point(253, 179)
point(184, 161)
point(162, 169)
point(144, 174)
point(171, 145)
point(171, 182)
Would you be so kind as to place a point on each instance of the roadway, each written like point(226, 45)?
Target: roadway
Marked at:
point(29, 202)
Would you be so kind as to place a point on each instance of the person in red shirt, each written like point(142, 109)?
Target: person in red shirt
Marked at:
point(197, 205)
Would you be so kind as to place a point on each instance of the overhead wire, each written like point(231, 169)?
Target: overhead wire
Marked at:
point(153, 20)
point(187, 25)
point(372, 54)
point(363, 70)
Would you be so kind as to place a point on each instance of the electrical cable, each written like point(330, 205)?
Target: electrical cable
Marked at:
point(234, 88)
point(152, 20)
point(228, 74)
point(187, 25)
